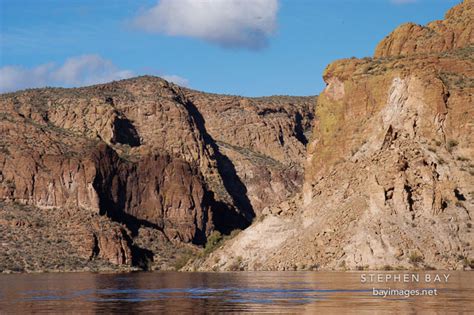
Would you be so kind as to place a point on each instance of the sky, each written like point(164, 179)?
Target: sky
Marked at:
point(243, 47)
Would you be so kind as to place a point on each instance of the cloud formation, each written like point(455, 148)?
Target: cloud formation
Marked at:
point(227, 23)
point(76, 71)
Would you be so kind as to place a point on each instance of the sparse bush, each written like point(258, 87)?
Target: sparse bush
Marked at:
point(213, 241)
point(452, 144)
point(466, 262)
point(236, 265)
point(415, 258)
point(182, 260)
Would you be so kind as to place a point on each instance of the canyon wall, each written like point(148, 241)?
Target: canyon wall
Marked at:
point(389, 176)
point(143, 159)
point(139, 173)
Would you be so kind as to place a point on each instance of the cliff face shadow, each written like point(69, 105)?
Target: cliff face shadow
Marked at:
point(299, 129)
point(225, 219)
point(126, 133)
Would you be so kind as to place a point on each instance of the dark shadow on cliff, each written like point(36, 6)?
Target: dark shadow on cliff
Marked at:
point(225, 218)
point(299, 129)
point(141, 257)
point(125, 132)
point(114, 182)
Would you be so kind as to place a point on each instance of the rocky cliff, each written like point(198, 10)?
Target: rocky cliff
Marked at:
point(142, 173)
point(138, 172)
point(389, 176)
point(455, 31)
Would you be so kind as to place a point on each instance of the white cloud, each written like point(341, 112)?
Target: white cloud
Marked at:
point(176, 79)
point(228, 23)
point(403, 1)
point(14, 77)
point(76, 71)
point(89, 69)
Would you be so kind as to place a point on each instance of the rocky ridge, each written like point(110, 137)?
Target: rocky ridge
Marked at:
point(134, 160)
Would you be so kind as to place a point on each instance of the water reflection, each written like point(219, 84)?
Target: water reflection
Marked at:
point(270, 292)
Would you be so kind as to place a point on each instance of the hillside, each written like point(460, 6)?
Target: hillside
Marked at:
point(139, 172)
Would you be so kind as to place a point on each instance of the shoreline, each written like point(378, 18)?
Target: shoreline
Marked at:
point(368, 272)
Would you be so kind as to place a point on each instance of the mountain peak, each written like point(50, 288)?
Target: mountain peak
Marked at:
point(455, 31)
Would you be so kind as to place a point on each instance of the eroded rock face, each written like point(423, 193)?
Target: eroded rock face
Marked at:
point(389, 177)
point(455, 31)
point(264, 138)
point(140, 152)
point(166, 193)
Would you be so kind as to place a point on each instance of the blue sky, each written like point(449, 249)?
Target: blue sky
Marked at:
point(245, 47)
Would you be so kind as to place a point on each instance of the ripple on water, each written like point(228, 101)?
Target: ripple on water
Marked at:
point(205, 292)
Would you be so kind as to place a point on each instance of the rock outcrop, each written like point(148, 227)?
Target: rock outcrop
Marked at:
point(389, 179)
point(142, 159)
point(455, 31)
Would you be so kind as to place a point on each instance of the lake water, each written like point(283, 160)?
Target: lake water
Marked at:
point(256, 292)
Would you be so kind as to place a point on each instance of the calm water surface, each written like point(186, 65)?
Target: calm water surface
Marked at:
point(255, 292)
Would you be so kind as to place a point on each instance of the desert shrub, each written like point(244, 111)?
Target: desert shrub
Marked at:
point(452, 144)
point(182, 260)
point(466, 262)
point(213, 241)
point(236, 265)
point(216, 239)
point(415, 258)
